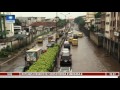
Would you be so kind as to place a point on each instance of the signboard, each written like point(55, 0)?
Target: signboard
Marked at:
point(10, 18)
point(116, 33)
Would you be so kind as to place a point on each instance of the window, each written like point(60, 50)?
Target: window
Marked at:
point(107, 22)
point(111, 23)
point(114, 14)
point(107, 15)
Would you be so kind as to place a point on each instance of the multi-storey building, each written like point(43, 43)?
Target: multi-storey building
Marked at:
point(26, 21)
point(89, 16)
point(6, 29)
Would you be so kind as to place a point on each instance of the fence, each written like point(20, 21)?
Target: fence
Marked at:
point(112, 48)
point(97, 39)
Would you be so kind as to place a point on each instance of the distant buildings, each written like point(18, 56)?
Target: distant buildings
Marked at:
point(108, 23)
point(43, 25)
point(6, 29)
point(89, 16)
point(26, 21)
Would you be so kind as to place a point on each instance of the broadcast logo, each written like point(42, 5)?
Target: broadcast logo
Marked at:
point(10, 18)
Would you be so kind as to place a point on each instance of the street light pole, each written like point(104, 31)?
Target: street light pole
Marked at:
point(56, 25)
point(56, 21)
point(65, 18)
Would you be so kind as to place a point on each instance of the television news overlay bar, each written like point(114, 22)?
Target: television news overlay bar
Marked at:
point(77, 74)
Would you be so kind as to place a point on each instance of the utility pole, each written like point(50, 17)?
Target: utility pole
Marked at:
point(56, 20)
point(65, 19)
point(56, 25)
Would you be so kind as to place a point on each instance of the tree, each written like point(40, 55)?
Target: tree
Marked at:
point(80, 21)
point(92, 28)
point(17, 22)
point(61, 23)
point(98, 15)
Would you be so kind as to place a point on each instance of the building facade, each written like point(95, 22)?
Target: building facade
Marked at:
point(89, 16)
point(8, 28)
point(26, 21)
point(107, 24)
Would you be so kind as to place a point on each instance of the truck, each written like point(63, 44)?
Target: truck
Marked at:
point(32, 55)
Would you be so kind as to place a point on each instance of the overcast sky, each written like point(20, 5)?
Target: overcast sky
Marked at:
point(48, 14)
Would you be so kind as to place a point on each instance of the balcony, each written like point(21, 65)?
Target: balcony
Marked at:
point(107, 23)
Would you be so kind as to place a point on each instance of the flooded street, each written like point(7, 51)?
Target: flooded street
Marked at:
point(87, 57)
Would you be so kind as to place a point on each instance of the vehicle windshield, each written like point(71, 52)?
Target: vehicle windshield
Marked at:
point(65, 57)
point(39, 38)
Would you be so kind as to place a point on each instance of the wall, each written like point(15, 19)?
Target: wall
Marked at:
point(94, 38)
point(107, 24)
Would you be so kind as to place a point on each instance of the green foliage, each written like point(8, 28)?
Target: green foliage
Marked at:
point(5, 52)
point(98, 15)
point(80, 21)
point(17, 22)
point(92, 28)
point(46, 61)
point(61, 23)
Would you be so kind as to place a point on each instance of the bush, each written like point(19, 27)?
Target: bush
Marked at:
point(8, 48)
point(46, 61)
point(5, 52)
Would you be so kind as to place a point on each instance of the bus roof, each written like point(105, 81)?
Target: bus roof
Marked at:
point(34, 49)
point(75, 39)
point(40, 37)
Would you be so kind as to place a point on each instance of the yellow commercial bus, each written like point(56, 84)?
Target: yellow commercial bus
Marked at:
point(80, 34)
point(40, 39)
point(70, 39)
point(75, 42)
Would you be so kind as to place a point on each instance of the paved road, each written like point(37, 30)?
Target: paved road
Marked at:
point(87, 57)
